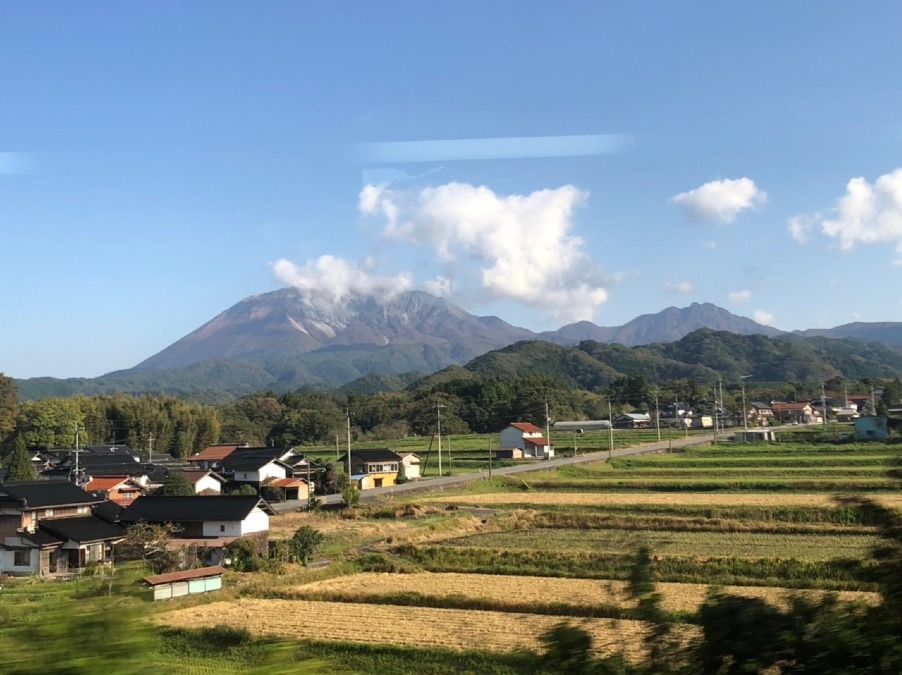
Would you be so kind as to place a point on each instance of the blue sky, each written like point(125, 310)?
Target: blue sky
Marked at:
point(161, 161)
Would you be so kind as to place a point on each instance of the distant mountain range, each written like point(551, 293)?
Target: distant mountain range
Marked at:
point(287, 339)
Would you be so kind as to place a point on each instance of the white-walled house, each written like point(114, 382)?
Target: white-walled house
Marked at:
point(205, 482)
point(528, 438)
point(410, 465)
point(254, 470)
point(199, 517)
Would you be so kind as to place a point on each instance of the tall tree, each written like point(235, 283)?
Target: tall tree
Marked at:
point(9, 406)
point(176, 485)
point(20, 466)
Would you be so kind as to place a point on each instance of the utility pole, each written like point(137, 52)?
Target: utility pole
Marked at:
point(547, 430)
point(715, 415)
point(824, 405)
point(348, 412)
point(657, 418)
point(438, 414)
point(76, 452)
point(610, 431)
point(745, 417)
point(309, 484)
point(150, 447)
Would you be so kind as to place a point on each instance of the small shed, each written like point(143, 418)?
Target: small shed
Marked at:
point(871, 428)
point(187, 582)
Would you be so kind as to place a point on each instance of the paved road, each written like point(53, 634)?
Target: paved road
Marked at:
point(432, 484)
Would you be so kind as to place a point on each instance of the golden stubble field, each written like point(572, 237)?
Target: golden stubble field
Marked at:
point(546, 590)
point(538, 498)
point(413, 626)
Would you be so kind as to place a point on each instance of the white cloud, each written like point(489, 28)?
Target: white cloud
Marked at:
point(710, 245)
point(720, 200)
point(330, 279)
point(800, 228)
point(523, 244)
point(440, 286)
point(866, 214)
point(739, 297)
point(764, 318)
point(677, 287)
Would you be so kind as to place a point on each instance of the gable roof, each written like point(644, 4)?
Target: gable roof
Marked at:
point(537, 440)
point(527, 427)
point(370, 455)
point(82, 528)
point(164, 509)
point(195, 476)
point(44, 493)
point(185, 575)
point(214, 453)
point(779, 406)
point(107, 483)
point(253, 463)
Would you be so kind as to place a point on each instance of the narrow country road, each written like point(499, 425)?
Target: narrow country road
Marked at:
point(432, 484)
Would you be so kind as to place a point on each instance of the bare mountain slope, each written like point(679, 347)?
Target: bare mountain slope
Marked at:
point(285, 324)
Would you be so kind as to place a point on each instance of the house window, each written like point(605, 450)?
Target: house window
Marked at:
point(222, 528)
point(48, 513)
point(84, 509)
point(22, 558)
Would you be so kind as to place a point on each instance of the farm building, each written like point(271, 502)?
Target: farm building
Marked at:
point(528, 438)
point(410, 465)
point(871, 428)
point(186, 582)
point(632, 421)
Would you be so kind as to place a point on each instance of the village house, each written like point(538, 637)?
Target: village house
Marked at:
point(528, 439)
point(120, 489)
point(205, 482)
point(372, 468)
point(48, 527)
point(212, 455)
point(795, 413)
point(632, 421)
point(759, 414)
point(254, 469)
point(211, 522)
point(410, 465)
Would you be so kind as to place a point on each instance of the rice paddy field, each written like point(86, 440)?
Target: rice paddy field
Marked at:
point(457, 570)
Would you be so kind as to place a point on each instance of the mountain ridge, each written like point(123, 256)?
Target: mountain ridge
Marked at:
point(285, 339)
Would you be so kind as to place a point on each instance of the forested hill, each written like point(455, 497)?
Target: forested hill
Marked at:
point(704, 355)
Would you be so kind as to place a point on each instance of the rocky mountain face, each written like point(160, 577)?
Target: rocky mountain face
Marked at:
point(287, 323)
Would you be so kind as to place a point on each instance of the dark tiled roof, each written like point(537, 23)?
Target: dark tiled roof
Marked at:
point(82, 528)
point(252, 463)
point(44, 493)
point(109, 511)
point(41, 538)
point(162, 509)
point(112, 449)
point(378, 455)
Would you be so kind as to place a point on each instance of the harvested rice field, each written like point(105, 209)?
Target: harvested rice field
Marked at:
point(412, 626)
point(678, 543)
point(538, 498)
point(540, 590)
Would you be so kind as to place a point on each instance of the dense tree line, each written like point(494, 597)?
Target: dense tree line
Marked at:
point(467, 402)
